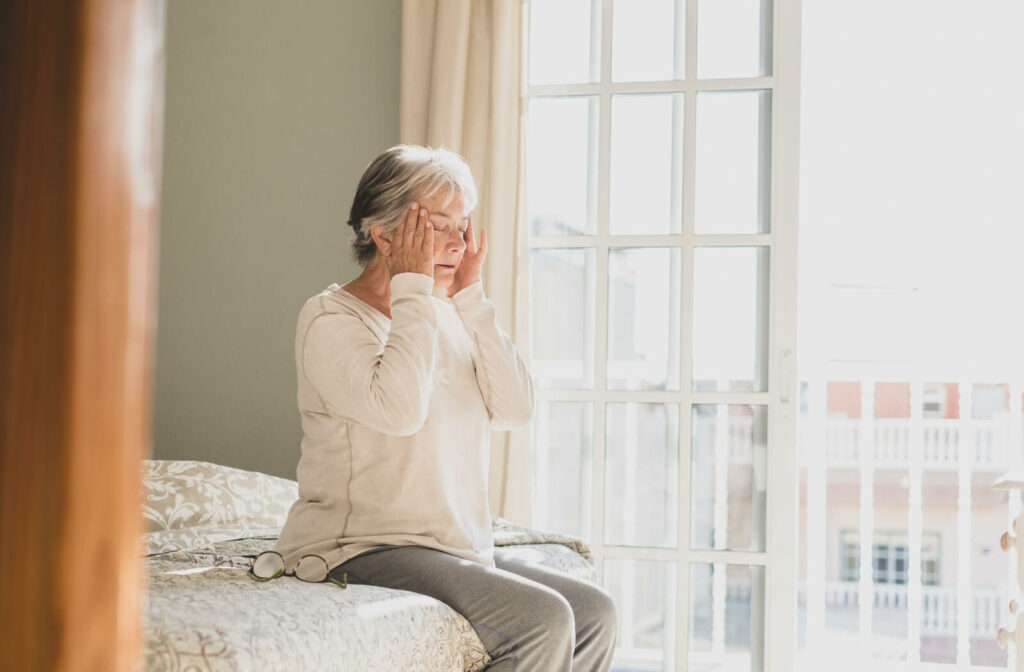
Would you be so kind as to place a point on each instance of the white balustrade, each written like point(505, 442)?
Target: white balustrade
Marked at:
point(938, 606)
point(961, 447)
point(940, 443)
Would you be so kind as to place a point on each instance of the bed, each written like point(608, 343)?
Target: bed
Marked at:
point(202, 612)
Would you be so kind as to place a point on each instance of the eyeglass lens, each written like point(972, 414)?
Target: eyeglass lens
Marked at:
point(312, 568)
point(268, 565)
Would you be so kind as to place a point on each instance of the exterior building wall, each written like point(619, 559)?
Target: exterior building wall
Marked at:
point(989, 564)
point(892, 400)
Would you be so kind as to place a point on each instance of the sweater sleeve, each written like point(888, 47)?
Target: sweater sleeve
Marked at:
point(384, 388)
point(504, 381)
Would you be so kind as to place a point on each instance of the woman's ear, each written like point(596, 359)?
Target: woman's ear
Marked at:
point(383, 240)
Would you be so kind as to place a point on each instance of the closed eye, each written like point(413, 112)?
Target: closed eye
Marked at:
point(444, 227)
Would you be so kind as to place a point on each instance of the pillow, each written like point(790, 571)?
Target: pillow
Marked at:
point(201, 541)
point(183, 494)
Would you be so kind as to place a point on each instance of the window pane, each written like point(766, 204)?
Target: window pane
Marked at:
point(728, 463)
point(730, 319)
point(643, 40)
point(644, 592)
point(850, 550)
point(644, 193)
point(561, 44)
point(643, 318)
point(726, 617)
point(890, 614)
point(734, 38)
point(560, 166)
point(641, 467)
point(562, 317)
point(733, 162)
point(562, 437)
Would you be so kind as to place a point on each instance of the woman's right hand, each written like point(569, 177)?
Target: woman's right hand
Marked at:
point(412, 244)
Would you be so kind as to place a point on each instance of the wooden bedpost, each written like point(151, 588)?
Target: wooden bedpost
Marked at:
point(81, 86)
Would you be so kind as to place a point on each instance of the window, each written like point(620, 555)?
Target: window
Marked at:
point(661, 225)
point(889, 555)
point(935, 400)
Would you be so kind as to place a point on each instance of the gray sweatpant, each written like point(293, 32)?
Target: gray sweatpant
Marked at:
point(529, 617)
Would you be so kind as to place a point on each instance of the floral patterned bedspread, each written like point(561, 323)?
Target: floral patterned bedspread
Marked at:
point(203, 613)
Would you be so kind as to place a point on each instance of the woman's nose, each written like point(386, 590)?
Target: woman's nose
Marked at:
point(456, 240)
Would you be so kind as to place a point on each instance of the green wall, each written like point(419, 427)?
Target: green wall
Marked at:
point(273, 109)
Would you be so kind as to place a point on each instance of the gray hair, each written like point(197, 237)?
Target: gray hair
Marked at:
point(397, 177)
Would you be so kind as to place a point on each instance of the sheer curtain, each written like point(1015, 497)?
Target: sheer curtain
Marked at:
point(461, 88)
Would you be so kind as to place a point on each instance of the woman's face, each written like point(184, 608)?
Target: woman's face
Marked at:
point(449, 224)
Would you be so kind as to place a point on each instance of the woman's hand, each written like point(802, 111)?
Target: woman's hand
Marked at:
point(412, 244)
point(468, 271)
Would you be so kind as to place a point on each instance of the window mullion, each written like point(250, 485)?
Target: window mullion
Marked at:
point(686, 334)
point(686, 346)
point(601, 288)
point(657, 240)
point(691, 41)
point(664, 86)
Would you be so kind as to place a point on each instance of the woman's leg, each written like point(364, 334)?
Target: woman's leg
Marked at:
point(593, 610)
point(525, 626)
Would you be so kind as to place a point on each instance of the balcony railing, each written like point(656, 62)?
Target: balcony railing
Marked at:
point(972, 452)
point(938, 606)
point(940, 443)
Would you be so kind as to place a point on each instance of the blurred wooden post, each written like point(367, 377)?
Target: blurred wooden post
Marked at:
point(81, 83)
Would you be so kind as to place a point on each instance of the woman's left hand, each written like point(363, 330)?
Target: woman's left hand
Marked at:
point(468, 271)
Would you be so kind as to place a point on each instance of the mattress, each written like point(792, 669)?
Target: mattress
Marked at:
point(203, 612)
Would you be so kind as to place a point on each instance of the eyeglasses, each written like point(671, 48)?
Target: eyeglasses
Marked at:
point(269, 565)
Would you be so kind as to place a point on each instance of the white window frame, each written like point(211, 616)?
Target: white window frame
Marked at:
point(780, 399)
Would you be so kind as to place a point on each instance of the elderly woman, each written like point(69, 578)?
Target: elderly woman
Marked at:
point(399, 389)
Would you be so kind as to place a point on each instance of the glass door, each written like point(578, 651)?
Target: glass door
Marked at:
point(661, 153)
point(911, 366)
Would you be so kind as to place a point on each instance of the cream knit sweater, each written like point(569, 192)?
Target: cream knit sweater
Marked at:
point(396, 417)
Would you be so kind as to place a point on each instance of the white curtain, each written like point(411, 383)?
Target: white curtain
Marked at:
point(461, 89)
